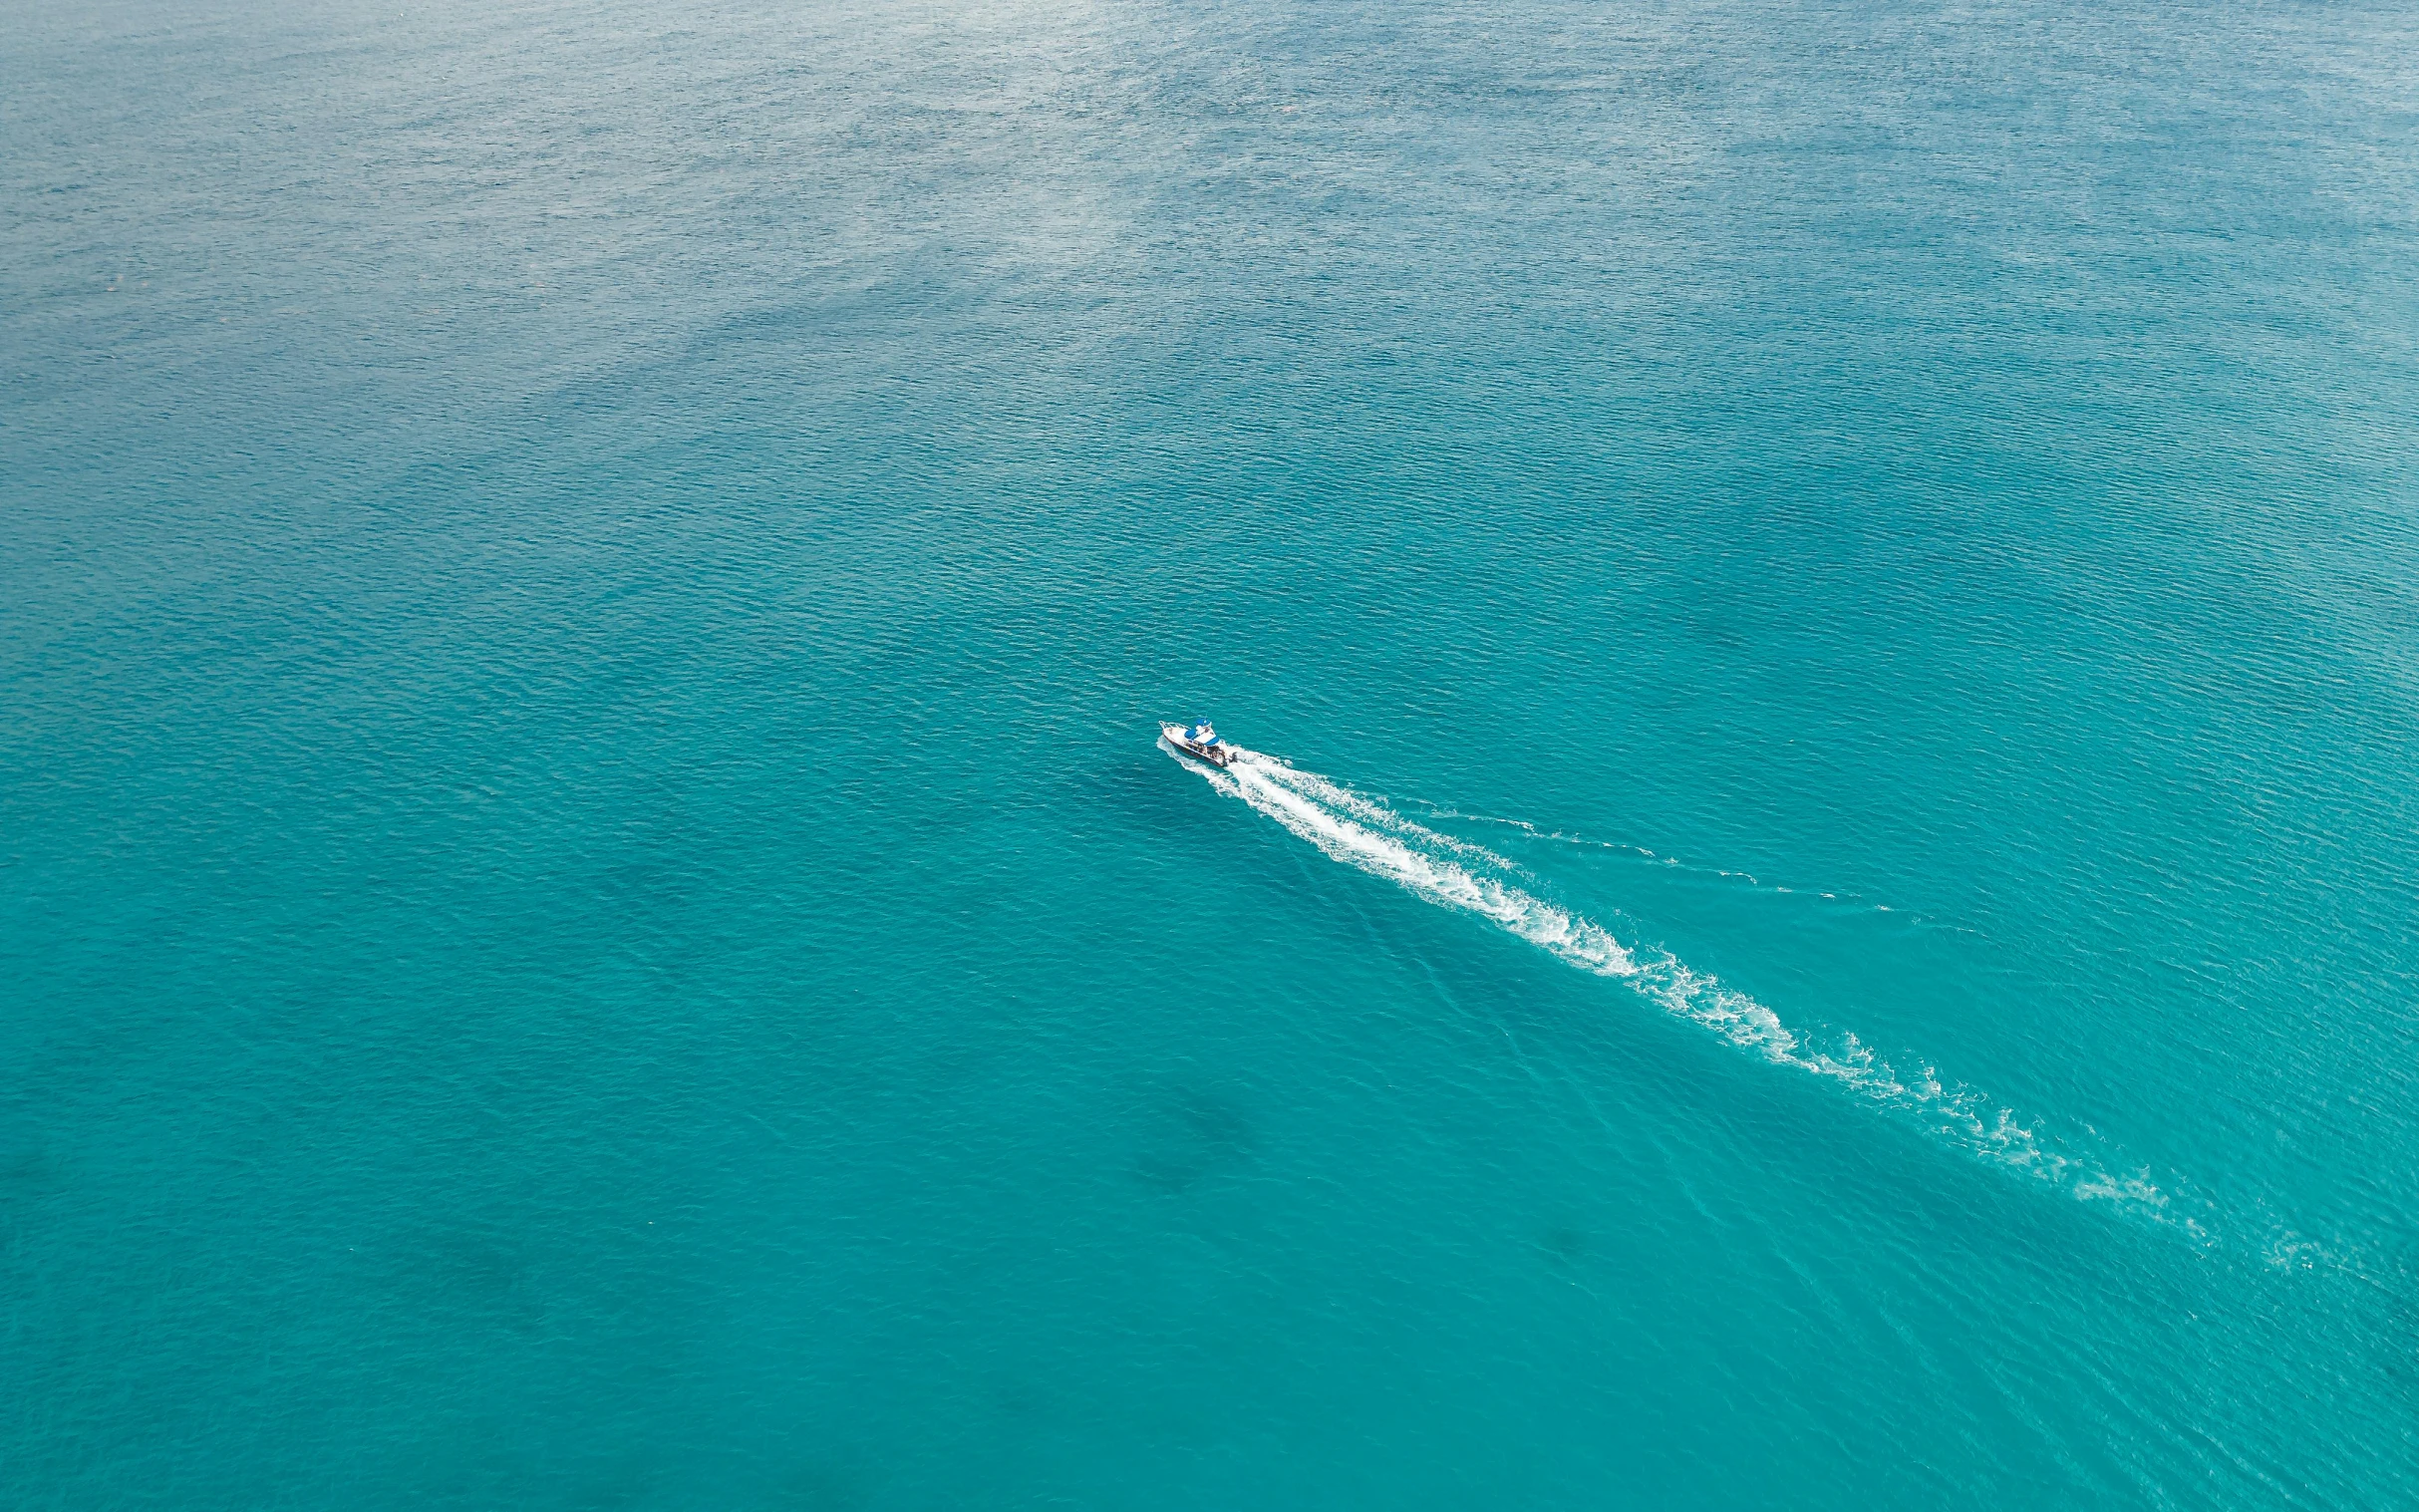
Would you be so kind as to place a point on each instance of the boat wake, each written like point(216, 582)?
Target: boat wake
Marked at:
point(1722, 874)
point(1454, 873)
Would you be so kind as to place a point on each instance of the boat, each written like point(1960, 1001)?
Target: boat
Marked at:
point(1199, 741)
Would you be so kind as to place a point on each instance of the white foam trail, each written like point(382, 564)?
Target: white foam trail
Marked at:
point(1351, 828)
point(1457, 874)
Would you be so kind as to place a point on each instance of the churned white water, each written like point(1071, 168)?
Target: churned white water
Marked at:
point(1364, 833)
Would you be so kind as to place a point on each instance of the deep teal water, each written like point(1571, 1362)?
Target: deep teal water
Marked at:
point(592, 917)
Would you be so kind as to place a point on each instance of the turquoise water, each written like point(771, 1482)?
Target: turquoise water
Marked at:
point(1822, 915)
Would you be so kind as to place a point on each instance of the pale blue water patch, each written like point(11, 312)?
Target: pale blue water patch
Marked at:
point(590, 913)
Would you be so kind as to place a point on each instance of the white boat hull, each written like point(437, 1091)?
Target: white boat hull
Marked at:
point(1216, 753)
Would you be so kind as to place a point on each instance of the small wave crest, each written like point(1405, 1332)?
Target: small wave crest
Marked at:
point(1362, 832)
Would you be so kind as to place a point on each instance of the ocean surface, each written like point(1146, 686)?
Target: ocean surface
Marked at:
point(1823, 911)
